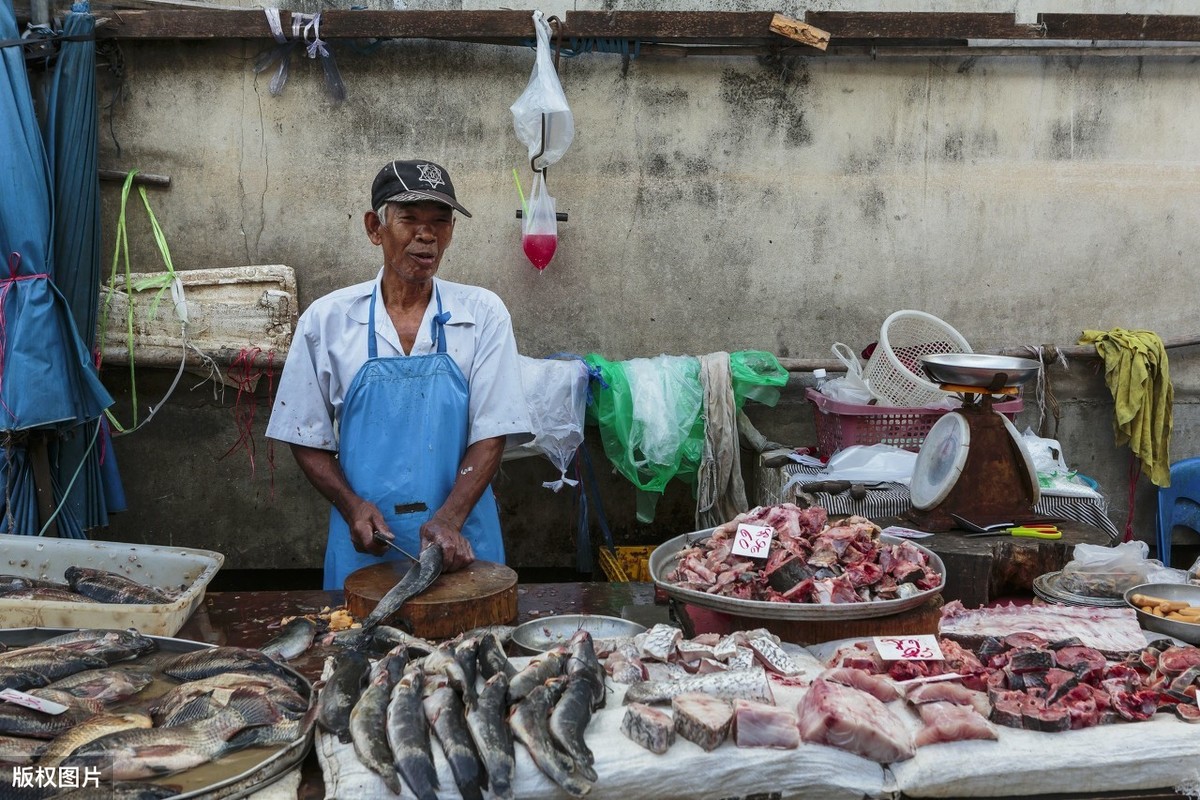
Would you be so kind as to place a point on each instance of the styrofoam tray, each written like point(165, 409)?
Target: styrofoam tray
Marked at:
point(172, 568)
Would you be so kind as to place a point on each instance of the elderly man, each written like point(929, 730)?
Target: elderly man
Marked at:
point(398, 393)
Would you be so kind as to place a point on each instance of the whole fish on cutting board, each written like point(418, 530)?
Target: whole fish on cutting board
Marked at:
point(419, 577)
point(109, 587)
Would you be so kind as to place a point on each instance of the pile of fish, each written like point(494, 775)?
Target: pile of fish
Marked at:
point(84, 585)
point(465, 695)
point(217, 701)
point(809, 561)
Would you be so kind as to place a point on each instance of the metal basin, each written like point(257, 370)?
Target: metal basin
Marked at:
point(539, 635)
point(973, 369)
point(1185, 631)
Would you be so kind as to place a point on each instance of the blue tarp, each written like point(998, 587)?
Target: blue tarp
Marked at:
point(48, 382)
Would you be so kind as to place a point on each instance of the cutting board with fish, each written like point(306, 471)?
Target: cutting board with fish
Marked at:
point(482, 593)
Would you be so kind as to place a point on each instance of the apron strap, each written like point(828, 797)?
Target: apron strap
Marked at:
point(436, 326)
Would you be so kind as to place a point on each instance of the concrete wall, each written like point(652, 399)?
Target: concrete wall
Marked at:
point(715, 204)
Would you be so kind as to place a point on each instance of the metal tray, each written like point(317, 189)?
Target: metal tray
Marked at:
point(271, 767)
point(175, 568)
point(662, 561)
point(538, 635)
point(1184, 631)
point(1049, 587)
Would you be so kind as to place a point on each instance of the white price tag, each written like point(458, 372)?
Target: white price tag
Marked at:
point(909, 648)
point(752, 541)
point(29, 701)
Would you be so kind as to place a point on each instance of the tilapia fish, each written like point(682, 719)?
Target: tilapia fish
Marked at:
point(570, 718)
point(408, 736)
point(341, 692)
point(219, 688)
point(106, 685)
point(90, 730)
point(749, 684)
point(492, 736)
point(13, 583)
point(17, 750)
point(47, 595)
point(296, 637)
point(418, 578)
point(152, 752)
point(528, 721)
point(25, 722)
point(368, 720)
point(52, 663)
point(446, 715)
point(109, 587)
point(217, 660)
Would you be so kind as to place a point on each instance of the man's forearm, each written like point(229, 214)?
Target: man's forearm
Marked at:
point(323, 471)
point(476, 470)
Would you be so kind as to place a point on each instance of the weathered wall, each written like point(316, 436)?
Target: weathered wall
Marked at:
point(715, 204)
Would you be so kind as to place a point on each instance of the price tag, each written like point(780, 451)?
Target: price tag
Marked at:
point(29, 701)
point(909, 648)
point(752, 541)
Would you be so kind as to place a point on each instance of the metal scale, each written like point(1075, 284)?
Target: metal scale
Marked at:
point(973, 462)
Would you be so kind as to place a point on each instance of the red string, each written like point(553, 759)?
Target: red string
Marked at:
point(1135, 472)
point(245, 373)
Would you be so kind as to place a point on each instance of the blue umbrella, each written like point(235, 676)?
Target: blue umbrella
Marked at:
point(47, 380)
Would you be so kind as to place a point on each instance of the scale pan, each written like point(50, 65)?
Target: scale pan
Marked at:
point(973, 369)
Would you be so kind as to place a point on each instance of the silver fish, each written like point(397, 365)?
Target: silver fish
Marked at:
point(221, 688)
point(528, 721)
point(52, 663)
point(750, 684)
point(446, 715)
point(492, 736)
point(295, 638)
point(570, 718)
point(408, 736)
point(418, 578)
point(442, 661)
point(25, 722)
point(546, 666)
point(110, 587)
point(105, 685)
point(341, 692)
point(88, 731)
point(466, 653)
point(19, 751)
point(583, 661)
point(138, 753)
point(368, 720)
point(217, 660)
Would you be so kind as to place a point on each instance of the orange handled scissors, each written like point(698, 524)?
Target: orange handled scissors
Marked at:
point(1038, 531)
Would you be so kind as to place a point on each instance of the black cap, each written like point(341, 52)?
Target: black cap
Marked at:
point(412, 182)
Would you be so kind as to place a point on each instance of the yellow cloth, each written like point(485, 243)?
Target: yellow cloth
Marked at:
point(1135, 369)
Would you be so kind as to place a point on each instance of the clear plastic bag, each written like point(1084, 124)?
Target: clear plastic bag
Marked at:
point(542, 119)
point(1099, 571)
point(852, 388)
point(539, 227)
point(556, 396)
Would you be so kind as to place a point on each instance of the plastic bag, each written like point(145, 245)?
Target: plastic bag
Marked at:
point(556, 396)
point(539, 227)
point(542, 119)
point(852, 388)
point(872, 463)
point(1099, 571)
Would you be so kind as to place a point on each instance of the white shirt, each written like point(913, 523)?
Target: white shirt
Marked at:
point(330, 345)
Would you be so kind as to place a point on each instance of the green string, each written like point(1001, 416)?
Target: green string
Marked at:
point(160, 282)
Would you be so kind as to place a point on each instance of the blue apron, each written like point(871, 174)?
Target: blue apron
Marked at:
point(403, 434)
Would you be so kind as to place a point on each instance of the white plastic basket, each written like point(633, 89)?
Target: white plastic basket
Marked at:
point(894, 370)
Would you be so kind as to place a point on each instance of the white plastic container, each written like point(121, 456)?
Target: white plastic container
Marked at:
point(179, 569)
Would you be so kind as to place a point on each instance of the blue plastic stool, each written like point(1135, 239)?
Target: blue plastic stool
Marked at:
point(1178, 504)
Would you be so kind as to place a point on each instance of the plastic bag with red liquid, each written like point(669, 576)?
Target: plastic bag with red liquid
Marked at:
point(539, 225)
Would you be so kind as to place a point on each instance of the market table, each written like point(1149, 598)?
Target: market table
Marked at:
point(251, 618)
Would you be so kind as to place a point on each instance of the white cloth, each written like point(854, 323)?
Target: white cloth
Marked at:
point(330, 345)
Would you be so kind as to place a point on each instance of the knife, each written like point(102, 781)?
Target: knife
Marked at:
point(379, 537)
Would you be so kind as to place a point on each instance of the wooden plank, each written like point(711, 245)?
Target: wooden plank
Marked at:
point(1122, 27)
point(800, 31)
point(230, 311)
point(920, 25)
point(709, 27)
point(335, 24)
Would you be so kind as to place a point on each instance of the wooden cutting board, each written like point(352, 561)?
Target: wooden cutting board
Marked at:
point(482, 593)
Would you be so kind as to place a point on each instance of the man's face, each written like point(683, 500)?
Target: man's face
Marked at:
point(414, 237)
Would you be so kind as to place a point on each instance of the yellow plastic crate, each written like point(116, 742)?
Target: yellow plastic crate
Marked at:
point(627, 563)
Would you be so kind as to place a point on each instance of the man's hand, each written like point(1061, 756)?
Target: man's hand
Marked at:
point(364, 519)
point(456, 550)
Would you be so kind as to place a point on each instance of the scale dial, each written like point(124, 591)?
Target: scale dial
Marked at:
point(940, 460)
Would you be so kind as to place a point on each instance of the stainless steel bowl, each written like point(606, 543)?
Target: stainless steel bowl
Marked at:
point(973, 369)
point(1185, 631)
point(539, 635)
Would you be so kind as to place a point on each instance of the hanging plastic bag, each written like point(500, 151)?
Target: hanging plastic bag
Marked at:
point(539, 227)
point(541, 117)
point(556, 396)
point(853, 387)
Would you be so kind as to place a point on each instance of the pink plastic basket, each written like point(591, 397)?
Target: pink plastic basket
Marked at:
point(841, 425)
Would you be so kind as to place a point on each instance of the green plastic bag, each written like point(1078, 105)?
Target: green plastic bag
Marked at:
point(649, 411)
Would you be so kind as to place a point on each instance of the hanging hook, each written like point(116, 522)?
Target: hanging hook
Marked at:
point(541, 150)
point(557, 25)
